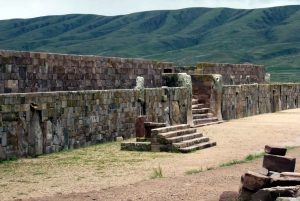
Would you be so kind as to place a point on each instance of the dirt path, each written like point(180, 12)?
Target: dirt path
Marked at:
point(235, 139)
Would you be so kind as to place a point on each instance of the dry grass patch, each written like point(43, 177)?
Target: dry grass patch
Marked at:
point(85, 166)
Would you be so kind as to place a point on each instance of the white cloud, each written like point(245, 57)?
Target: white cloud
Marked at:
point(34, 8)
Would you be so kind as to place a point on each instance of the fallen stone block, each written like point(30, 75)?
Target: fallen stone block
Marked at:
point(228, 196)
point(279, 163)
point(275, 150)
point(271, 194)
point(282, 181)
point(254, 181)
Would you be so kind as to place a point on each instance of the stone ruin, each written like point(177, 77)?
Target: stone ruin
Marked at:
point(50, 102)
point(274, 181)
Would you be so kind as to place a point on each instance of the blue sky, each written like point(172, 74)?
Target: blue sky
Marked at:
point(34, 8)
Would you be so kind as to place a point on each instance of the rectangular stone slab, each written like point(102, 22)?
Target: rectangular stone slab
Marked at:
point(280, 151)
point(290, 174)
point(279, 163)
point(254, 181)
point(281, 181)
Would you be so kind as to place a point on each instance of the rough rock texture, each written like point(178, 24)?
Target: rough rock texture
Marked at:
point(228, 196)
point(275, 150)
point(136, 146)
point(279, 163)
point(271, 194)
point(254, 181)
point(139, 126)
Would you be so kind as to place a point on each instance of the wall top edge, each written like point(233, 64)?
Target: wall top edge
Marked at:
point(85, 92)
point(48, 55)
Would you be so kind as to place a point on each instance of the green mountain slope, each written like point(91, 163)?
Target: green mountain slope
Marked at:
point(261, 36)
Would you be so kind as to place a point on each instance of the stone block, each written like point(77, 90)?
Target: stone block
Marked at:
point(290, 174)
point(228, 196)
point(254, 181)
point(279, 163)
point(275, 150)
point(282, 181)
point(271, 194)
point(245, 194)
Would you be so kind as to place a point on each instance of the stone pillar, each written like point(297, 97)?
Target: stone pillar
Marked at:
point(139, 126)
point(216, 96)
point(185, 80)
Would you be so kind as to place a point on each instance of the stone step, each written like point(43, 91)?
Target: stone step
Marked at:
point(194, 101)
point(197, 106)
point(207, 124)
point(205, 120)
point(183, 138)
point(200, 111)
point(156, 131)
point(176, 133)
point(197, 147)
point(189, 143)
point(203, 116)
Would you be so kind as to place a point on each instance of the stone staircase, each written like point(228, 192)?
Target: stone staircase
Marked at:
point(180, 138)
point(202, 115)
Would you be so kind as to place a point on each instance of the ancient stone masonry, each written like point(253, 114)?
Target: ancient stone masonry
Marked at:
point(232, 73)
point(40, 123)
point(247, 100)
point(24, 72)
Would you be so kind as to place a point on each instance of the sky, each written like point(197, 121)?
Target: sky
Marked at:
point(35, 8)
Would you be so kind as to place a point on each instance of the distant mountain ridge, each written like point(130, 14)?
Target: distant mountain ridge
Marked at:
point(260, 36)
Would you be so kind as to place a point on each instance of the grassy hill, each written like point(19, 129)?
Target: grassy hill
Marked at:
point(260, 36)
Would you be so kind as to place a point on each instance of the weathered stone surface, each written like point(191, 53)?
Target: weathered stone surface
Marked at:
point(228, 196)
point(279, 163)
point(273, 174)
point(283, 181)
point(271, 194)
point(22, 131)
point(263, 171)
point(254, 181)
point(139, 126)
point(245, 194)
point(275, 150)
point(175, 113)
point(136, 146)
point(290, 174)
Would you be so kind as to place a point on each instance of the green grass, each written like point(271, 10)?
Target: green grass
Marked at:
point(193, 171)
point(248, 158)
point(251, 157)
point(157, 173)
point(266, 36)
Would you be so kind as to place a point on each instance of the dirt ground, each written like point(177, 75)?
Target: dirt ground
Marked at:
point(235, 140)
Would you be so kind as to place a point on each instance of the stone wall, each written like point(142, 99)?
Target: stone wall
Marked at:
point(40, 123)
point(247, 100)
point(233, 74)
point(24, 72)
